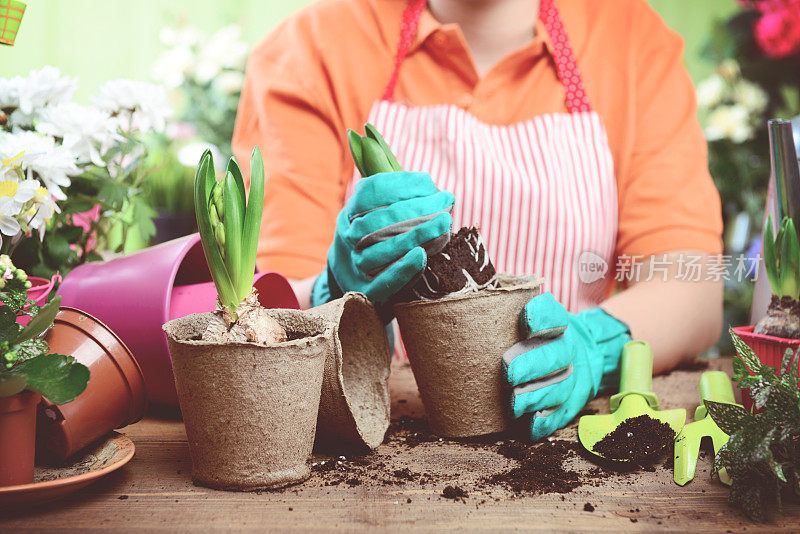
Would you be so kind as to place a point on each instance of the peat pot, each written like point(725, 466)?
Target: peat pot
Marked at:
point(455, 346)
point(354, 409)
point(250, 410)
point(17, 438)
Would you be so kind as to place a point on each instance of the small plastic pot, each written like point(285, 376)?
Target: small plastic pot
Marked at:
point(40, 289)
point(250, 410)
point(455, 346)
point(768, 349)
point(17, 438)
point(115, 396)
point(136, 294)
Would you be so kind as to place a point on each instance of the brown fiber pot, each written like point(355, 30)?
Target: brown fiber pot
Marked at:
point(455, 346)
point(354, 410)
point(115, 396)
point(17, 438)
point(250, 410)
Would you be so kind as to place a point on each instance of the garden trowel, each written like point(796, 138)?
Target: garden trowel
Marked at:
point(635, 398)
point(714, 386)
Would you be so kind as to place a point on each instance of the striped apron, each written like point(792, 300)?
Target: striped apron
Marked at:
point(542, 191)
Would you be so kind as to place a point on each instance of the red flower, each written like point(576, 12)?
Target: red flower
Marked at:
point(777, 32)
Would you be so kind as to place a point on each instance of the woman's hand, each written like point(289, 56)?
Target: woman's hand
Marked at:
point(562, 363)
point(383, 235)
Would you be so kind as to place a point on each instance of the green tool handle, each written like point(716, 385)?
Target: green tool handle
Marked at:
point(636, 368)
point(716, 386)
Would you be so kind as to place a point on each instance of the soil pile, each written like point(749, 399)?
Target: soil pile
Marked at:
point(640, 440)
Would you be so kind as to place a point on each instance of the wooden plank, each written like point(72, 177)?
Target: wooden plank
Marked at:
point(155, 490)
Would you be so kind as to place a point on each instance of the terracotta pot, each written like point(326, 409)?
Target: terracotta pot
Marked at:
point(769, 349)
point(17, 438)
point(250, 410)
point(115, 396)
point(354, 410)
point(136, 294)
point(456, 345)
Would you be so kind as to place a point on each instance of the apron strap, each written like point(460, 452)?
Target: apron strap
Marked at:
point(408, 29)
point(566, 64)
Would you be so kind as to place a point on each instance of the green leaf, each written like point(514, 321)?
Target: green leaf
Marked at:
point(31, 348)
point(234, 220)
point(59, 378)
point(9, 328)
point(789, 261)
point(375, 160)
point(252, 221)
point(728, 417)
point(744, 352)
point(770, 260)
point(203, 183)
point(354, 140)
point(41, 322)
point(739, 370)
point(373, 133)
point(233, 168)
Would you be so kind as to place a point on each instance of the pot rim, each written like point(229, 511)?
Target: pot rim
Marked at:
point(524, 282)
point(18, 401)
point(329, 328)
point(137, 409)
point(748, 332)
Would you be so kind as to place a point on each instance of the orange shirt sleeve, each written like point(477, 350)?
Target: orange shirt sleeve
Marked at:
point(288, 113)
point(667, 199)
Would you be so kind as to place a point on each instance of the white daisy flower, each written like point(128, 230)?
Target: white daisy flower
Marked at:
point(137, 105)
point(42, 211)
point(9, 92)
point(711, 91)
point(85, 130)
point(729, 122)
point(9, 211)
point(51, 163)
point(751, 96)
point(44, 87)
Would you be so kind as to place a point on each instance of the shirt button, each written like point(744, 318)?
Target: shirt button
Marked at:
point(465, 100)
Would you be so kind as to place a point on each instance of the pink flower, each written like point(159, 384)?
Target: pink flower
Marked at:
point(777, 32)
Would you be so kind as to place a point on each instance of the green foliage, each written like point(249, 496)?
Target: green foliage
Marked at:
point(371, 153)
point(229, 226)
point(24, 360)
point(782, 259)
point(169, 185)
point(763, 453)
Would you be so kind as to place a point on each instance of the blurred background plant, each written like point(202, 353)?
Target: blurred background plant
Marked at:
point(88, 160)
point(756, 54)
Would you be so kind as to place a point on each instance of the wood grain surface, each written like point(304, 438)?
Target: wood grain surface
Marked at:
point(154, 491)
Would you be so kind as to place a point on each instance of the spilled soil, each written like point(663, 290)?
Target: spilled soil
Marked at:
point(640, 440)
point(494, 466)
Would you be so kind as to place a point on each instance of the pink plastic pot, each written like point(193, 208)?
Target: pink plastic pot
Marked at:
point(769, 349)
point(39, 291)
point(134, 295)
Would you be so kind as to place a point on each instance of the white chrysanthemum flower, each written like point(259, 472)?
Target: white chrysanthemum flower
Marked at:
point(51, 163)
point(229, 82)
point(711, 91)
point(42, 211)
point(172, 67)
point(729, 69)
point(137, 105)
point(186, 36)
point(20, 191)
point(729, 122)
point(9, 92)
point(9, 211)
point(84, 130)
point(44, 87)
point(224, 50)
point(751, 96)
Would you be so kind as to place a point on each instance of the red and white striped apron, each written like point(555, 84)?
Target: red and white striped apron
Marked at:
point(542, 191)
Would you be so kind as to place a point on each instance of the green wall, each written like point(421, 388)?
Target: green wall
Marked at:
point(100, 40)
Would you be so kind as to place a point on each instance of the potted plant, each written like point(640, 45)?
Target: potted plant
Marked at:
point(456, 320)
point(779, 329)
point(762, 456)
point(248, 379)
point(27, 372)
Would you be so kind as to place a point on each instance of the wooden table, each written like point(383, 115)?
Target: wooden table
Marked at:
point(155, 490)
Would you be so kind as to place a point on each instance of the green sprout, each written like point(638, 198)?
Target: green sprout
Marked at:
point(782, 259)
point(371, 153)
point(229, 226)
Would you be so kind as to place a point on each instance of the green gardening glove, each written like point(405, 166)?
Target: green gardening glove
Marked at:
point(563, 362)
point(383, 236)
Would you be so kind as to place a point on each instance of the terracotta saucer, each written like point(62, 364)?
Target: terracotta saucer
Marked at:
point(52, 483)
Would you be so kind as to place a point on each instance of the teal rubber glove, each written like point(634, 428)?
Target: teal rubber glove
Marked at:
point(563, 362)
point(383, 236)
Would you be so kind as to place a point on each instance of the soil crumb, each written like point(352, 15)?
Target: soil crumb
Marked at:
point(640, 440)
point(454, 492)
point(588, 507)
point(540, 468)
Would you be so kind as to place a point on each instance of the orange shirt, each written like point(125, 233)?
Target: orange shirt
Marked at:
point(321, 70)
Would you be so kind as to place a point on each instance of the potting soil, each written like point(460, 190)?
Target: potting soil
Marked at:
point(639, 439)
